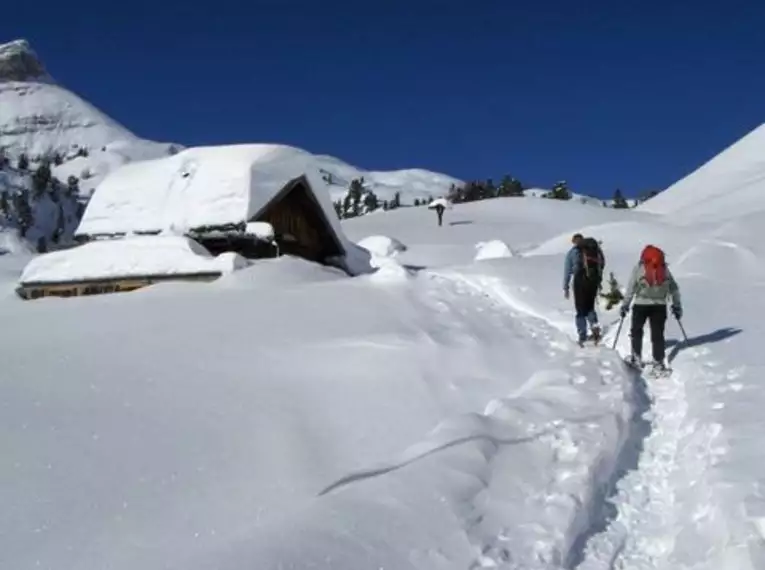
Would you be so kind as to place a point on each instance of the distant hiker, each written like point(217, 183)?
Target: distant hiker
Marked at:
point(439, 206)
point(585, 261)
point(651, 283)
point(440, 213)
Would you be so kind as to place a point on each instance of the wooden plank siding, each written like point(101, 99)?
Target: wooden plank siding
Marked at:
point(38, 290)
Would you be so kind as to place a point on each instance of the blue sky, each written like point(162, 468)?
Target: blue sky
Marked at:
point(603, 94)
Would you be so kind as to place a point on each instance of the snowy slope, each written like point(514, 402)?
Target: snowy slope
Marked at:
point(39, 117)
point(413, 184)
point(726, 187)
point(441, 418)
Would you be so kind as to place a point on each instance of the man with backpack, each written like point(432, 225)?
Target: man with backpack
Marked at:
point(651, 283)
point(585, 262)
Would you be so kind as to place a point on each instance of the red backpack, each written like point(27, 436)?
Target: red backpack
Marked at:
point(654, 266)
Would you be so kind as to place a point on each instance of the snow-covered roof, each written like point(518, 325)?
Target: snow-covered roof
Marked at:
point(132, 256)
point(201, 186)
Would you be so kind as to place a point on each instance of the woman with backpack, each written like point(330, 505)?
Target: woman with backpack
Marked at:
point(651, 284)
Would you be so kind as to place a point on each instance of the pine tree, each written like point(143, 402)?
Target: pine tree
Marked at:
point(4, 160)
point(348, 206)
point(396, 201)
point(58, 159)
point(455, 194)
point(73, 186)
point(416, 201)
point(356, 194)
point(559, 192)
point(23, 210)
point(4, 205)
point(23, 161)
point(370, 202)
point(614, 295)
point(619, 202)
point(41, 179)
point(489, 190)
point(337, 204)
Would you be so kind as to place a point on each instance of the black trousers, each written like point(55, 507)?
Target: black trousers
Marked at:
point(656, 315)
point(585, 293)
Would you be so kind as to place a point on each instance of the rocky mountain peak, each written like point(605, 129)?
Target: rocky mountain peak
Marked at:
point(19, 62)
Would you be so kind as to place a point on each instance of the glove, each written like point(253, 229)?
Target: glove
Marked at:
point(677, 311)
point(624, 310)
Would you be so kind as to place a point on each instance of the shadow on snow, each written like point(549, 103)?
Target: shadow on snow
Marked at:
point(714, 336)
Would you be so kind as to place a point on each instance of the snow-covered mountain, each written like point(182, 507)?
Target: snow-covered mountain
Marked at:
point(40, 118)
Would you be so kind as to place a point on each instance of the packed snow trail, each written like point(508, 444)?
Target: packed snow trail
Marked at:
point(643, 521)
point(551, 449)
point(650, 531)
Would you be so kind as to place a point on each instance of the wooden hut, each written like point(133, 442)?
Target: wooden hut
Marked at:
point(213, 196)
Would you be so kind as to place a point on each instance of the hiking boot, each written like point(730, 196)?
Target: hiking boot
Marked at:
point(595, 334)
point(635, 361)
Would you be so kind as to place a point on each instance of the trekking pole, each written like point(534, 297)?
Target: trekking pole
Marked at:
point(618, 330)
point(682, 329)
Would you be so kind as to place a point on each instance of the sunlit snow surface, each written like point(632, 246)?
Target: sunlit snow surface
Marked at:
point(287, 416)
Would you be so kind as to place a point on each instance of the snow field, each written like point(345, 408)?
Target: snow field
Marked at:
point(439, 419)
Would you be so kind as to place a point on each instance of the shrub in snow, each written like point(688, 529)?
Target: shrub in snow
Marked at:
point(382, 246)
point(614, 295)
point(492, 250)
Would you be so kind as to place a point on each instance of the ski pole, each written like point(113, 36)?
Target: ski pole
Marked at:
point(618, 330)
point(682, 330)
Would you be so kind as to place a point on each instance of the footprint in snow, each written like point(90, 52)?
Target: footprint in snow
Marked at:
point(734, 373)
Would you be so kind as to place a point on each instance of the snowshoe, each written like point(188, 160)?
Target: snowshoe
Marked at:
point(659, 370)
point(634, 362)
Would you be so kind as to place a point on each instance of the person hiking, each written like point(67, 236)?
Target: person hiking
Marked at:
point(440, 212)
point(585, 262)
point(651, 284)
point(439, 205)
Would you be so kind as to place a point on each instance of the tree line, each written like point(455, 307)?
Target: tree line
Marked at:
point(359, 199)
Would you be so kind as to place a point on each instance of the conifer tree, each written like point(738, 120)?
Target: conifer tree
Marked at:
point(619, 202)
point(73, 186)
point(559, 191)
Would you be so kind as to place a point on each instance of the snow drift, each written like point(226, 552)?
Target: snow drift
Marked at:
point(131, 256)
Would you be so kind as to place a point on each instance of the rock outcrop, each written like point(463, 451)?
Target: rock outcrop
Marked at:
point(19, 62)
